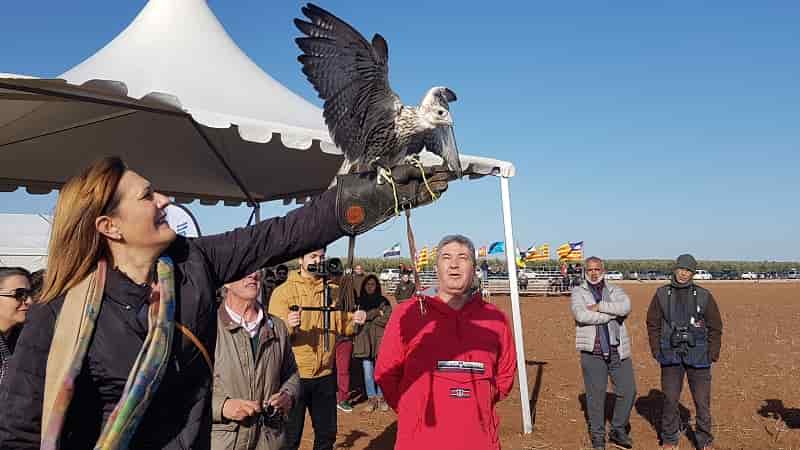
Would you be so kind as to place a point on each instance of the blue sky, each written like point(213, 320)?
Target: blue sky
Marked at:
point(644, 130)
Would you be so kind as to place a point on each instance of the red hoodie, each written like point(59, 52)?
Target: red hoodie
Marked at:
point(443, 372)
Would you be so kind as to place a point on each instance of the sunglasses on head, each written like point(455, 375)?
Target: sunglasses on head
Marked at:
point(21, 294)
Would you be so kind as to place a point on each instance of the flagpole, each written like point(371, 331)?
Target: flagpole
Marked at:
point(527, 422)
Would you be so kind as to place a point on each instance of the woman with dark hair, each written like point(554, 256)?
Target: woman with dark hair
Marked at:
point(117, 351)
point(15, 298)
point(368, 340)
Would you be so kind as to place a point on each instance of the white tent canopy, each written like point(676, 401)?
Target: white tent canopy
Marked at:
point(175, 89)
point(23, 240)
point(177, 99)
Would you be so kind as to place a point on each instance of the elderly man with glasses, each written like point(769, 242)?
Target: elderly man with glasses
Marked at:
point(601, 338)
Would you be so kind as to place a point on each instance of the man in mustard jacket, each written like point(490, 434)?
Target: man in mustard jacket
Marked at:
point(317, 380)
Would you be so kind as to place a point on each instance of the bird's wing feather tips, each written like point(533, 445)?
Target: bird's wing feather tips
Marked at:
point(351, 75)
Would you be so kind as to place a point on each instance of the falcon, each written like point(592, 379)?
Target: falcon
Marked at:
point(365, 117)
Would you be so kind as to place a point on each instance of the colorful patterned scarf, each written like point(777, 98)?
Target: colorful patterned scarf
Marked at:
point(71, 339)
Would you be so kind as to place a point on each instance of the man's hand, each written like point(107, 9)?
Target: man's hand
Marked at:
point(595, 307)
point(360, 317)
point(293, 319)
point(281, 401)
point(237, 409)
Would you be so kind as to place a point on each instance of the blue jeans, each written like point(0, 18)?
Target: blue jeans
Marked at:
point(369, 378)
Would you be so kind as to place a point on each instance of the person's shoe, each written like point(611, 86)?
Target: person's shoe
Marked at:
point(620, 440)
point(382, 404)
point(344, 406)
point(371, 405)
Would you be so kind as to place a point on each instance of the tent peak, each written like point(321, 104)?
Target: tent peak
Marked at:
point(181, 48)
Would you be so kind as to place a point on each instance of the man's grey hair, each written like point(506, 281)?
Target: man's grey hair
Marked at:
point(593, 259)
point(458, 238)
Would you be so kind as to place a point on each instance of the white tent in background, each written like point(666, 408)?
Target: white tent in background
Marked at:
point(23, 240)
point(179, 101)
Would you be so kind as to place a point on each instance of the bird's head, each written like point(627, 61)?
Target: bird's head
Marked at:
point(436, 116)
point(435, 107)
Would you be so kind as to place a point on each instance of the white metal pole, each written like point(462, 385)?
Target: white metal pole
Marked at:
point(527, 423)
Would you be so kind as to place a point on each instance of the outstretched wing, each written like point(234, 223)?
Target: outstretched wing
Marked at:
point(350, 75)
point(442, 141)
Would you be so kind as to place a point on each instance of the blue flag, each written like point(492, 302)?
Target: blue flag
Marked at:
point(497, 247)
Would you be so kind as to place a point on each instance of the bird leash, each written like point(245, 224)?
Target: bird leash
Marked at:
point(412, 248)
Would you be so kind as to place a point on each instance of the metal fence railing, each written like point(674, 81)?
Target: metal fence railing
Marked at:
point(542, 284)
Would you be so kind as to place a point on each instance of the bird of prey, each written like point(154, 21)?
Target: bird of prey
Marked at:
point(366, 119)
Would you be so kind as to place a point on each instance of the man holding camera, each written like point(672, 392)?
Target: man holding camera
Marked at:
point(305, 289)
point(255, 375)
point(685, 331)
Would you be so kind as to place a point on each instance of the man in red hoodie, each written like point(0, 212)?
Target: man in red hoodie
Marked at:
point(445, 361)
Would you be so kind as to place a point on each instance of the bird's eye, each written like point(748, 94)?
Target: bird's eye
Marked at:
point(441, 112)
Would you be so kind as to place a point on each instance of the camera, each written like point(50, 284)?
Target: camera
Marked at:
point(681, 335)
point(271, 417)
point(327, 267)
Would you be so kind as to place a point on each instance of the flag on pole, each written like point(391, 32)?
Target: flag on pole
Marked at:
point(422, 258)
point(520, 259)
point(482, 252)
point(392, 251)
point(497, 247)
point(538, 254)
point(571, 251)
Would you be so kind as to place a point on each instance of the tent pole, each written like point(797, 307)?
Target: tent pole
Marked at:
point(527, 423)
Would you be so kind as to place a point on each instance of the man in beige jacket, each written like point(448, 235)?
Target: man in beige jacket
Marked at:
point(256, 381)
point(318, 382)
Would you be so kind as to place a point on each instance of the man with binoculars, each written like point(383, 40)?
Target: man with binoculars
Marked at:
point(306, 303)
point(685, 332)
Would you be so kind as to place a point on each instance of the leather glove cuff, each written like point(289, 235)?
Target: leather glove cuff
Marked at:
point(362, 202)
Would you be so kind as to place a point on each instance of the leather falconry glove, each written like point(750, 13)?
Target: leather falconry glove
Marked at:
point(363, 203)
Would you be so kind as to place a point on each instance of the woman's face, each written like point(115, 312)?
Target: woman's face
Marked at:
point(14, 310)
point(140, 219)
point(370, 286)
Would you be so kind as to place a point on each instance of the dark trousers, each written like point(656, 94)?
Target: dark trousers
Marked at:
point(319, 396)
point(700, 385)
point(596, 371)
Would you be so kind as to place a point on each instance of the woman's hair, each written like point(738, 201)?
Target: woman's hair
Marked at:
point(75, 244)
point(378, 291)
point(6, 272)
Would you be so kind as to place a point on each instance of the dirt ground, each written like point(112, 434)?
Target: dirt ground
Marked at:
point(756, 401)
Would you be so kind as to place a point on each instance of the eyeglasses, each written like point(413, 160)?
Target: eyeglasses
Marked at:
point(20, 294)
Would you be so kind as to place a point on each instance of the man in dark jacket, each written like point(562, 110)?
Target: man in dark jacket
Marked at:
point(685, 332)
point(405, 288)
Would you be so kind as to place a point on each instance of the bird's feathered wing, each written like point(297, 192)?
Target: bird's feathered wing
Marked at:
point(442, 141)
point(351, 76)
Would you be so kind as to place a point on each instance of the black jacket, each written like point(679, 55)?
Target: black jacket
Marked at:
point(405, 290)
point(179, 417)
point(713, 319)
